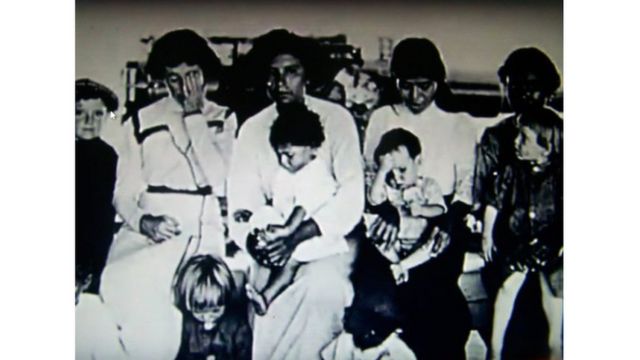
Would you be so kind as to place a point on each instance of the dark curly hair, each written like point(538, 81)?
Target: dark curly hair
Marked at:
point(417, 57)
point(296, 125)
point(266, 47)
point(182, 46)
point(531, 59)
point(393, 139)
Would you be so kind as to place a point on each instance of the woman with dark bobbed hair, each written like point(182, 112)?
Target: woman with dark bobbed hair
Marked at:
point(182, 46)
point(168, 183)
point(530, 79)
point(439, 326)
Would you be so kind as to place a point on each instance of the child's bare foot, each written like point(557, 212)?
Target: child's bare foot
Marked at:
point(257, 300)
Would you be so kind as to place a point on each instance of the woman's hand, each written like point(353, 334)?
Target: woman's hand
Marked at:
point(159, 228)
point(273, 232)
point(193, 100)
point(441, 241)
point(383, 232)
point(279, 250)
point(488, 247)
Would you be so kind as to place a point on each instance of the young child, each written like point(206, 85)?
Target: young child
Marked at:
point(214, 323)
point(417, 199)
point(523, 232)
point(302, 185)
point(385, 300)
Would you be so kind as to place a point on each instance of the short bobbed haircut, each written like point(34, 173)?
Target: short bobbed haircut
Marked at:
point(415, 58)
point(182, 46)
point(203, 283)
point(296, 125)
point(392, 140)
point(534, 60)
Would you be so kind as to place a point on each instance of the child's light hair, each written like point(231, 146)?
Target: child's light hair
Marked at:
point(203, 283)
point(548, 127)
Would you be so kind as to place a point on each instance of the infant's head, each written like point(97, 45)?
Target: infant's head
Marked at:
point(296, 136)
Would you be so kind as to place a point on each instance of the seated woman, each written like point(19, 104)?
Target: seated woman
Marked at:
point(95, 178)
point(523, 234)
point(388, 277)
point(302, 187)
point(166, 191)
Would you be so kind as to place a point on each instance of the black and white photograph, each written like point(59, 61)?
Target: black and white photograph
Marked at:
point(319, 180)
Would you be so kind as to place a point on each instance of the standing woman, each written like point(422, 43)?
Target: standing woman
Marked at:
point(167, 185)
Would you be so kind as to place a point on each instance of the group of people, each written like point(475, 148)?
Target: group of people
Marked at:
point(352, 252)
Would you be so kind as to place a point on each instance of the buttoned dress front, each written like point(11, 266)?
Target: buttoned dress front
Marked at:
point(173, 166)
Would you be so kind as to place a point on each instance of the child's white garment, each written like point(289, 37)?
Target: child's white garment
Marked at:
point(97, 335)
point(343, 348)
point(426, 192)
point(311, 188)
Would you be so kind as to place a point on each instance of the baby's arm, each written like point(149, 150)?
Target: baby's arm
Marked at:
point(274, 231)
point(378, 193)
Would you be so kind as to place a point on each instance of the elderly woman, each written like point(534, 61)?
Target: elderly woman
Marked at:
point(167, 185)
point(308, 314)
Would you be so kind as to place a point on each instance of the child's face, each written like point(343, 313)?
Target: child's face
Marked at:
point(209, 317)
point(294, 157)
point(90, 114)
point(527, 147)
point(404, 169)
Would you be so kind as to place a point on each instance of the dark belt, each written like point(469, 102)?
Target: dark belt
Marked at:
point(202, 191)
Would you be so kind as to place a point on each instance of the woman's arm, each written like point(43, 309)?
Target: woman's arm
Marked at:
point(488, 245)
point(129, 181)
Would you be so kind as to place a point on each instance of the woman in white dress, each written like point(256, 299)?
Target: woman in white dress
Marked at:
point(168, 183)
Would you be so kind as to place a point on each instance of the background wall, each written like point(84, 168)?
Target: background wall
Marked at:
point(474, 38)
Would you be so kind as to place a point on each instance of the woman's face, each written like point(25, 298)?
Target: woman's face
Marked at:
point(525, 91)
point(180, 80)
point(89, 116)
point(417, 93)
point(286, 79)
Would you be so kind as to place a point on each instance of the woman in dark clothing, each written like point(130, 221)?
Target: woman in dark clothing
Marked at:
point(95, 178)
